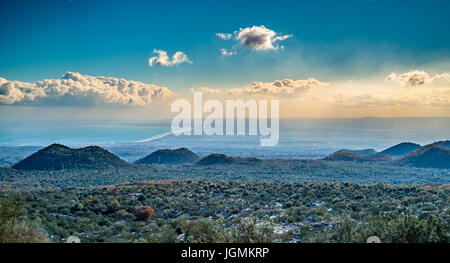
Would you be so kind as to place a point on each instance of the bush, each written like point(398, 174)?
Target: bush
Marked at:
point(144, 212)
point(404, 229)
point(12, 229)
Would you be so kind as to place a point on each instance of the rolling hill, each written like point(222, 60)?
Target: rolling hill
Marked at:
point(168, 156)
point(364, 152)
point(401, 149)
point(60, 157)
point(429, 156)
point(216, 158)
point(351, 157)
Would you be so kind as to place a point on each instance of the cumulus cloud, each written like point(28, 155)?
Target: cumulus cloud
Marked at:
point(225, 52)
point(76, 88)
point(162, 59)
point(206, 91)
point(279, 88)
point(417, 78)
point(259, 38)
point(224, 36)
point(255, 37)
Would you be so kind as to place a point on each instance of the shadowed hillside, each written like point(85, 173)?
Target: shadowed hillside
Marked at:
point(401, 149)
point(167, 156)
point(59, 157)
point(217, 158)
point(445, 144)
point(351, 157)
point(429, 156)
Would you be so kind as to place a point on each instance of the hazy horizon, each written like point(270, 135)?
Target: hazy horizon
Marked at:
point(305, 138)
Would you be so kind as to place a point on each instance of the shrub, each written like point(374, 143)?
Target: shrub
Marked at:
point(144, 213)
point(404, 229)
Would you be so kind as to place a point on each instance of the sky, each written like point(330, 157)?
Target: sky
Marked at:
point(82, 59)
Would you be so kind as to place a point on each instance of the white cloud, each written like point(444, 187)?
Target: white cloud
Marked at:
point(162, 59)
point(76, 89)
point(279, 88)
point(224, 36)
point(417, 78)
point(225, 52)
point(259, 38)
point(206, 91)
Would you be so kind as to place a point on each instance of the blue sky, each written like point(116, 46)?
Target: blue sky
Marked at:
point(332, 41)
point(44, 39)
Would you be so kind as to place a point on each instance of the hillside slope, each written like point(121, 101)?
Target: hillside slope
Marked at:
point(401, 149)
point(429, 156)
point(59, 157)
point(216, 158)
point(168, 156)
point(351, 157)
point(363, 152)
point(445, 144)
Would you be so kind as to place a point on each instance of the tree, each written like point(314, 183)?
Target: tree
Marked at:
point(144, 212)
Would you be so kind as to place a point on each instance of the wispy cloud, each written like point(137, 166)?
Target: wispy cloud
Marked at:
point(279, 88)
point(162, 59)
point(416, 88)
point(224, 36)
point(225, 52)
point(206, 91)
point(162, 135)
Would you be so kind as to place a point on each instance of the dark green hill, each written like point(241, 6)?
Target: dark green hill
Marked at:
point(168, 156)
point(401, 149)
point(59, 157)
point(216, 158)
point(344, 157)
point(351, 157)
point(429, 156)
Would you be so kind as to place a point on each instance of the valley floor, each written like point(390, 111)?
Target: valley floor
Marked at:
point(268, 170)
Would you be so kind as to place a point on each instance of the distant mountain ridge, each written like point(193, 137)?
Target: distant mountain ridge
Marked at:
point(59, 157)
point(168, 156)
point(405, 154)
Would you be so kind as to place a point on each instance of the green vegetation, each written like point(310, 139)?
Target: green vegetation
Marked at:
point(13, 228)
point(267, 170)
point(345, 198)
point(206, 211)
